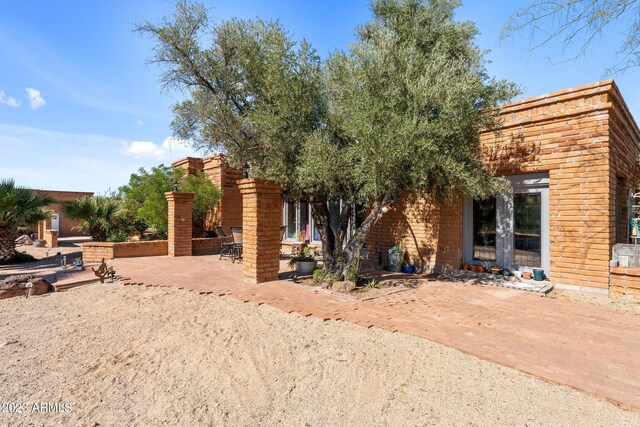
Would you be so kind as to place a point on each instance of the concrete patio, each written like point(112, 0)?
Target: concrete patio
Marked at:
point(593, 349)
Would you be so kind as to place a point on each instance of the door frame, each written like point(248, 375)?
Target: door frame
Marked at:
point(524, 183)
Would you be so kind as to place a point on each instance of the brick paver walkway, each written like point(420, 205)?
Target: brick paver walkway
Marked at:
point(591, 348)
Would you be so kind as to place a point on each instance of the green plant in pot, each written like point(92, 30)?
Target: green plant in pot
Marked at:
point(77, 262)
point(305, 263)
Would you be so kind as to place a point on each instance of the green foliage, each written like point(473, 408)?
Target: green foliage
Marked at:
point(207, 195)
point(353, 271)
point(98, 215)
point(373, 284)
point(144, 195)
point(321, 275)
point(399, 113)
point(118, 235)
point(307, 255)
point(19, 207)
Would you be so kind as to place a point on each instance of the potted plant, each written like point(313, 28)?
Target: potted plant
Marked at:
point(78, 262)
point(408, 268)
point(395, 258)
point(304, 263)
point(495, 269)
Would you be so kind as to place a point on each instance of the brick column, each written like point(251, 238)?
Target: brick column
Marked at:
point(261, 221)
point(42, 226)
point(51, 237)
point(180, 222)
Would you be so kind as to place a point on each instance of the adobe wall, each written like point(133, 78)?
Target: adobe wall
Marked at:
point(228, 213)
point(66, 225)
point(567, 134)
point(93, 252)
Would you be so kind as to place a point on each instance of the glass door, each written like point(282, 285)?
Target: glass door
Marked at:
point(510, 230)
point(527, 230)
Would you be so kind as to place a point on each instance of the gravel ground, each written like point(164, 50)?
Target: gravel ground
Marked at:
point(619, 304)
point(121, 355)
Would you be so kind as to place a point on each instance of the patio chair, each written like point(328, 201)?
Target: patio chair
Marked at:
point(236, 249)
point(226, 242)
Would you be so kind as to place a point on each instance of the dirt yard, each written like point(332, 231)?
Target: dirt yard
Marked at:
point(121, 355)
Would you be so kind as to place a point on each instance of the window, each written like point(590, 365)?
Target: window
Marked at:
point(298, 219)
point(484, 229)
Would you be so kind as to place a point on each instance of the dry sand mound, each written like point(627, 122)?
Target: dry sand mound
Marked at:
point(148, 356)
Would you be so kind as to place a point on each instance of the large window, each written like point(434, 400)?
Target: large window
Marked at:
point(299, 222)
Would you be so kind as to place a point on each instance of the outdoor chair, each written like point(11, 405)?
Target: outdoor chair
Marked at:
point(236, 249)
point(226, 242)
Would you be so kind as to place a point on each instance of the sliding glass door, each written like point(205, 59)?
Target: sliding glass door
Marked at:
point(510, 230)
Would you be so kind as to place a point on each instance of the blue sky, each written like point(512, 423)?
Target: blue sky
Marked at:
point(80, 110)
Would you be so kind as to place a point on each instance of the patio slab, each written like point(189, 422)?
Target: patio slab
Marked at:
point(587, 347)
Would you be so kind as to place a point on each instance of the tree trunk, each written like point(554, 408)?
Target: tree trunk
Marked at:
point(344, 261)
point(7, 244)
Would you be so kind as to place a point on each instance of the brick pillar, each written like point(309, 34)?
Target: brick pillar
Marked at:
point(261, 221)
point(180, 223)
point(43, 226)
point(51, 237)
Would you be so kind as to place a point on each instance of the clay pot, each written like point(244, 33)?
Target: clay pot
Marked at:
point(526, 275)
point(477, 268)
point(465, 267)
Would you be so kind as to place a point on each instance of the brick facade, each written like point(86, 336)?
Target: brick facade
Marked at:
point(228, 213)
point(93, 252)
point(65, 225)
point(262, 218)
point(180, 223)
point(587, 142)
point(584, 138)
point(51, 237)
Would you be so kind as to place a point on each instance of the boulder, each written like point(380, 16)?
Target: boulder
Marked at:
point(16, 286)
point(343, 286)
point(24, 240)
point(39, 243)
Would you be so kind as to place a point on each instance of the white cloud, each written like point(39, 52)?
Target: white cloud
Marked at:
point(139, 122)
point(171, 149)
point(143, 149)
point(35, 99)
point(8, 100)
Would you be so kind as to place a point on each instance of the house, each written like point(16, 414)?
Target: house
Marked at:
point(572, 159)
point(58, 221)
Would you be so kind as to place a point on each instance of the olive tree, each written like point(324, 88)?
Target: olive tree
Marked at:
point(399, 113)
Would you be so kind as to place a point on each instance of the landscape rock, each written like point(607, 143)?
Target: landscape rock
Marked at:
point(343, 286)
point(16, 286)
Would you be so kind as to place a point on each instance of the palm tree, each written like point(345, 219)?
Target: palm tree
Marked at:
point(19, 207)
point(96, 213)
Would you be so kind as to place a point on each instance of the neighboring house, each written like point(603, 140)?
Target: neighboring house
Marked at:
point(59, 221)
point(572, 158)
